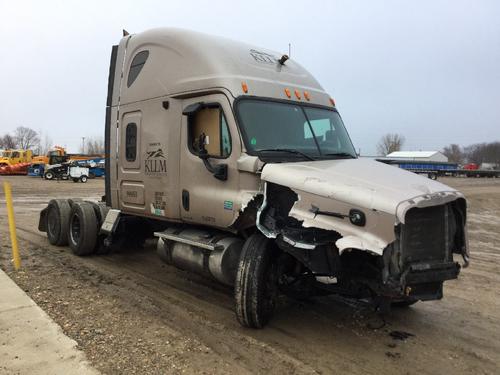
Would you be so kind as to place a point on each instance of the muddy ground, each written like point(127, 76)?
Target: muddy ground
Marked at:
point(132, 314)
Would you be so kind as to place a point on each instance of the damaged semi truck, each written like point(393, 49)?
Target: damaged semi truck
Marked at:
point(238, 161)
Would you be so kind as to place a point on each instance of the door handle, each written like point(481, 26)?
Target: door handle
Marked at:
point(185, 200)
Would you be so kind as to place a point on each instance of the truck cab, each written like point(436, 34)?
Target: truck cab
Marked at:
point(13, 157)
point(240, 161)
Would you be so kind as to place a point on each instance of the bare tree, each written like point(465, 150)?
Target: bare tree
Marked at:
point(483, 153)
point(454, 153)
point(94, 145)
point(26, 138)
point(390, 143)
point(45, 143)
point(7, 141)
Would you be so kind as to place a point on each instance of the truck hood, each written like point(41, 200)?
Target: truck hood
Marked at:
point(361, 183)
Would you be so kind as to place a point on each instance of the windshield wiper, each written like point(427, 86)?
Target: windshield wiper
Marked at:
point(291, 151)
point(340, 154)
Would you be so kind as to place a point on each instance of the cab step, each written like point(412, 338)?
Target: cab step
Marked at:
point(198, 238)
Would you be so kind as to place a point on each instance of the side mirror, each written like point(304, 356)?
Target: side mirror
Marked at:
point(220, 172)
point(202, 150)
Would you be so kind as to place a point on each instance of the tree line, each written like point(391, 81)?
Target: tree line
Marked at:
point(29, 139)
point(477, 153)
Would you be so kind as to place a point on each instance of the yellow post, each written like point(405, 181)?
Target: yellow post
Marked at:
point(12, 225)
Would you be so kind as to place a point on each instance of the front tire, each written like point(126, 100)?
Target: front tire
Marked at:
point(82, 234)
point(83, 179)
point(49, 176)
point(256, 285)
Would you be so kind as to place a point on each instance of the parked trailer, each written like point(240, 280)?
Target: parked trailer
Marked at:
point(429, 168)
point(478, 173)
point(435, 169)
point(237, 160)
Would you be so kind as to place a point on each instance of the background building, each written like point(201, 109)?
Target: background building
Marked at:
point(419, 156)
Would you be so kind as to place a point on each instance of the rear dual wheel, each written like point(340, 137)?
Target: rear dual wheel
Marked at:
point(83, 228)
point(77, 223)
point(57, 219)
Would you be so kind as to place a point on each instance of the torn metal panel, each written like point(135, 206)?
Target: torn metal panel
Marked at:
point(360, 182)
point(248, 203)
point(374, 236)
point(328, 190)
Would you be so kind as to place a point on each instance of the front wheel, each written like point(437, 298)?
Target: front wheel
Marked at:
point(83, 178)
point(49, 175)
point(256, 285)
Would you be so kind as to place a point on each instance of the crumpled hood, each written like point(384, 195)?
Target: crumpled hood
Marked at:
point(363, 183)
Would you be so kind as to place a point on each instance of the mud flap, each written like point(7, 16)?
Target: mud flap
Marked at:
point(42, 222)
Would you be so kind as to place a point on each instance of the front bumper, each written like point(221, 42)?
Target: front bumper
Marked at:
point(421, 273)
point(425, 281)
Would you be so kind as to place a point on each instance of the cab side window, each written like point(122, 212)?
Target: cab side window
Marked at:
point(209, 125)
point(131, 142)
point(136, 66)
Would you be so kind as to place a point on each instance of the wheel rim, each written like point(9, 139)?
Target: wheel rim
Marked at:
point(75, 229)
point(48, 176)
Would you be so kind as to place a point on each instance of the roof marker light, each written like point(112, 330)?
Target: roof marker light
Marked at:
point(244, 87)
point(332, 101)
point(306, 95)
point(287, 92)
point(297, 94)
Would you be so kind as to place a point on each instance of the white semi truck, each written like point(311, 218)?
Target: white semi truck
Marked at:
point(238, 161)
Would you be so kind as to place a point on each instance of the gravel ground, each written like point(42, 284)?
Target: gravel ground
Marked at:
point(132, 314)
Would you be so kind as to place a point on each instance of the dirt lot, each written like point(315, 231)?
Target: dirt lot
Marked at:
point(131, 313)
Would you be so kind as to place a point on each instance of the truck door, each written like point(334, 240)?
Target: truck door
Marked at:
point(206, 196)
point(130, 179)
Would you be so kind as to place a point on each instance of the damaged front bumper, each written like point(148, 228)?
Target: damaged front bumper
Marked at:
point(407, 259)
point(420, 281)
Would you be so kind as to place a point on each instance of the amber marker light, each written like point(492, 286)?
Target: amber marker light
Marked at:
point(287, 92)
point(306, 95)
point(332, 101)
point(244, 87)
point(297, 94)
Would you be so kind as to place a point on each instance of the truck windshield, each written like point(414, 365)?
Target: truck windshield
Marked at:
point(293, 130)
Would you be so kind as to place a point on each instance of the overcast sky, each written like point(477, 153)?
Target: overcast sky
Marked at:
point(429, 70)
